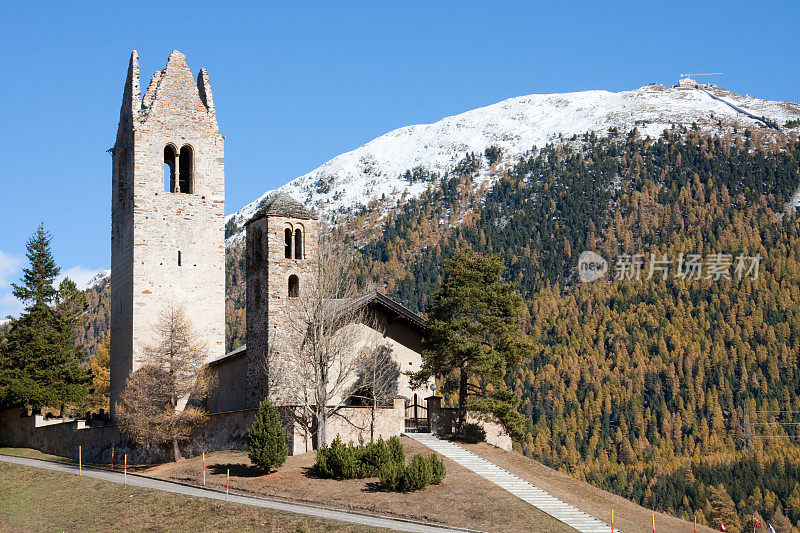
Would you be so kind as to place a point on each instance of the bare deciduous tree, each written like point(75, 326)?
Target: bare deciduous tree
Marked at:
point(153, 407)
point(376, 385)
point(324, 337)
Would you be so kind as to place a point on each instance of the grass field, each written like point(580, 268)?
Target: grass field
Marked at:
point(33, 499)
point(35, 454)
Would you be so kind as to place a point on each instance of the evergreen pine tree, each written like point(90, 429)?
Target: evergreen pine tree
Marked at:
point(723, 510)
point(266, 438)
point(39, 364)
point(475, 330)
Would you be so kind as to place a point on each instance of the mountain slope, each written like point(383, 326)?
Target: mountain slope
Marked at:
point(376, 169)
point(679, 394)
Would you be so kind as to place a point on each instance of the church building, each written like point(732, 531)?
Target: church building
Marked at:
point(168, 248)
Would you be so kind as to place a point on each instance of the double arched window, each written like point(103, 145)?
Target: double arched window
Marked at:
point(179, 169)
point(287, 234)
point(298, 244)
point(293, 243)
point(169, 168)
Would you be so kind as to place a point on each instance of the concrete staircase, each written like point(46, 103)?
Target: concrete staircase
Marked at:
point(544, 501)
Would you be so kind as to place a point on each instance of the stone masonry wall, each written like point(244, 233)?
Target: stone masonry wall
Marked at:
point(270, 325)
point(222, 431)
point(350, 424)
point(442, 421)
point(150, 226)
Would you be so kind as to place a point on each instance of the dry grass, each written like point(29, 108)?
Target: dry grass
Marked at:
point(628, 516)
point(32, 499)
point(463, 499)
point(35, 454)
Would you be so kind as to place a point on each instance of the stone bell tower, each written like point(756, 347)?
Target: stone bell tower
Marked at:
point(280, 264)
point(167, 214)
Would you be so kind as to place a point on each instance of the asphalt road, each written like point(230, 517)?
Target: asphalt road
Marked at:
point(136, 480)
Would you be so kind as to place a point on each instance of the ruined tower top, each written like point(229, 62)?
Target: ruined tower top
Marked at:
point(172, 89)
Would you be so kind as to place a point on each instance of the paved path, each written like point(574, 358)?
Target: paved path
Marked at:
point(544, 501)
point(136, 480)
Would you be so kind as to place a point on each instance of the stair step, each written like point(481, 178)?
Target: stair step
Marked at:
point(527, 492)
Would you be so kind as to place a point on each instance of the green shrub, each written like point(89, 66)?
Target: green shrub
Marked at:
point(266, 438)
point(348, 461)
point(385, 459)
point(396, 452)
point(337, 461)
point(417, 474)
point(438, 470)
point(391, 476)
point(373, 455)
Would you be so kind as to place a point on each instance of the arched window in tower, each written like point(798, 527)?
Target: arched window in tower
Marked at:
point(186, 162)
point(169, 168)
point(298, 244)
point(294, 286)
point(287, 235)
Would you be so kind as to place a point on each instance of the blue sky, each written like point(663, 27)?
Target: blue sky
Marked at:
point(296, 84)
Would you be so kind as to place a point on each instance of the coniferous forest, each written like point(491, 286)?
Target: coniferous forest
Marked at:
point(680, 394)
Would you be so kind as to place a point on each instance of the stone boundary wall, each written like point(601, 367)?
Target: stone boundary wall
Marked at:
point(350, 423)
point(223, 431)
point(443, 420)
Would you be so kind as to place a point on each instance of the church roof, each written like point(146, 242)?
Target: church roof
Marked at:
point(373, 300)
point(281, 204)
point(241, 350)
point(376, 300)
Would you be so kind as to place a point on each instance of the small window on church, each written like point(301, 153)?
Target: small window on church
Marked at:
point(169, 168)
point(186, 170)
point(288, 238)
point(294, 286)
point(179, 258)
point(298, 244)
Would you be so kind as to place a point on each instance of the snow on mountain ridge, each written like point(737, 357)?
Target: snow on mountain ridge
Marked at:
point(516, 125)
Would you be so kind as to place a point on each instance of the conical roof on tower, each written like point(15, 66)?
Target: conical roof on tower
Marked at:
point(281, 204)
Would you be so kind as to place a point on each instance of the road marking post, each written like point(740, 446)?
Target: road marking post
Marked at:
point(80, 461)
point(125, 474)
point(112, 458)
point(612, 520)
point(227, 484)
point(654, 522)
point(204, 469)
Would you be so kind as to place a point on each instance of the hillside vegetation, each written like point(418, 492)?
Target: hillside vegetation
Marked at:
point(659, 390)
point(653, 388)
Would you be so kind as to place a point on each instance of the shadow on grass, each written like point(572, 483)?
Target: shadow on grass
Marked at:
point(237, 470)
point(374, 486)
point(311, 472)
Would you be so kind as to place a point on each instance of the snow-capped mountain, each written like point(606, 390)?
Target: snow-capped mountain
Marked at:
point(375, 170)
point(97, 278)
point(84, 278)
